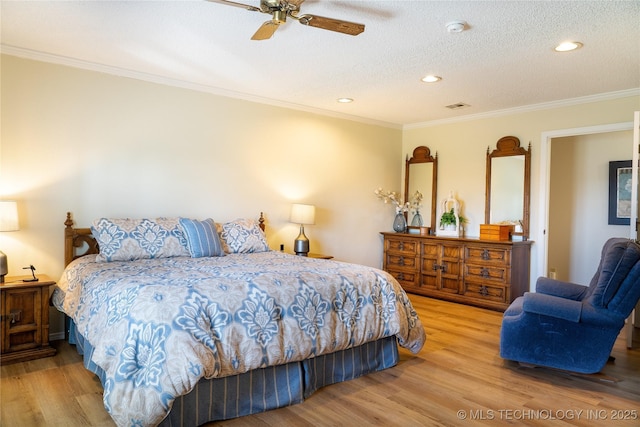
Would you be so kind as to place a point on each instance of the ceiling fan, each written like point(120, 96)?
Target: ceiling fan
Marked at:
point(281, 9)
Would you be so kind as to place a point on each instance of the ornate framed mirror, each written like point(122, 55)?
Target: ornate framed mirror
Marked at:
point(421, 174)
point(508, 184)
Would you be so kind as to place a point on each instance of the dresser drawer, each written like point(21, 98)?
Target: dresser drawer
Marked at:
point(405, 247)
point(401, 262)
point(486, 291)
point(405, 278)
point(487, 272)
point(488, 254)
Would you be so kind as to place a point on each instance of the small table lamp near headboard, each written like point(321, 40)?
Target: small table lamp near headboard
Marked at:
point(302, 214)
point(8, 222)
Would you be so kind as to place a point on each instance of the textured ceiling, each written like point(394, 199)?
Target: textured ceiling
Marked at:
point(504, 60)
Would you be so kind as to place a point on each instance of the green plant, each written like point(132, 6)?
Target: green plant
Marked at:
point(449, 218)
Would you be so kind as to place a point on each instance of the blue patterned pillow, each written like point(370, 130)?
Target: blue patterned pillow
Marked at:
point(242, 236)
point(202, 238)
point(124, 239)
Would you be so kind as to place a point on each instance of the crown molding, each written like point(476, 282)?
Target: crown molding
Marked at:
point(121, 72)
point(152, 78)
point(529, 108)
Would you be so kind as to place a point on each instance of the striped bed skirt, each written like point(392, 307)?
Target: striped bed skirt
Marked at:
point(266, 388)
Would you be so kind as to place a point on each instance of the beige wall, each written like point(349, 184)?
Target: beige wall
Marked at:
point(101, 145)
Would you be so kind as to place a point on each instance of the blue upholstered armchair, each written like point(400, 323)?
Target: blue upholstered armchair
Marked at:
point(573, 327)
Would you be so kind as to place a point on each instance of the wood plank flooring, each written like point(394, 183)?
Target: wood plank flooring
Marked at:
point(458, 379)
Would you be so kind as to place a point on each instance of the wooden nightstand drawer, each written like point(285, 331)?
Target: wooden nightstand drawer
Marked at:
point(25, 319)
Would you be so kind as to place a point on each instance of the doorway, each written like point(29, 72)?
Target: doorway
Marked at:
point(547, 139)
point(579, 201)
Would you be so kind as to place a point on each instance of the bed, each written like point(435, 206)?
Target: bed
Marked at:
point(187, 322)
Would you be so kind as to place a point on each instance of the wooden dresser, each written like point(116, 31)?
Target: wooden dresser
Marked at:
point(484, 273)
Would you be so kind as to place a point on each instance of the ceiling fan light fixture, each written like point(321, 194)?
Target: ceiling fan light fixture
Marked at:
point(345, 100)
point(568, 46)
point(431, 78)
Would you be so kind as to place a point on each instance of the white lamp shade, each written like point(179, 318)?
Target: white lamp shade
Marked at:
point(303, 214)
point(8, 215)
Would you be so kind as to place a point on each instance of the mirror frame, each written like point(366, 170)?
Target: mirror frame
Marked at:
point(422, 154)
point(505, 147)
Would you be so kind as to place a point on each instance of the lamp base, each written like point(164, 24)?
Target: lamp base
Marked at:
point(3, 266)
point(301, 244)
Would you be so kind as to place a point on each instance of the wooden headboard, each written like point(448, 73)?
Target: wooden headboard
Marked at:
point(76, 239)
point(79, 241)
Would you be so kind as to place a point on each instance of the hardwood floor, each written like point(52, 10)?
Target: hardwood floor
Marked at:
point(457, 379)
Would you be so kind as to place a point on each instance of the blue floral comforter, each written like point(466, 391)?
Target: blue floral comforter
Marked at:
point(160, 325)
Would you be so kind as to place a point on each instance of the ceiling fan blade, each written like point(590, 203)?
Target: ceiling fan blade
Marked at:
point(296, 4)
point(266, 30)
point(331, 24)
point(235, 4)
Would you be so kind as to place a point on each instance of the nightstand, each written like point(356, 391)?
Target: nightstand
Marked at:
point(25, 319)
point(319, 256)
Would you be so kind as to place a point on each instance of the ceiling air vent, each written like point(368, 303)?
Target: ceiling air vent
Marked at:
point(458, 106)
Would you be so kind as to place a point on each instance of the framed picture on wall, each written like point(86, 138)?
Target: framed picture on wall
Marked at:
point(620, 192)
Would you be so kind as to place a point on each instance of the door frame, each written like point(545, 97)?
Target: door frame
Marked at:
point(541, 237)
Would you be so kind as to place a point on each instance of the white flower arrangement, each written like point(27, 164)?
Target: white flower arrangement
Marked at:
point(415, 203)
point(391, 197)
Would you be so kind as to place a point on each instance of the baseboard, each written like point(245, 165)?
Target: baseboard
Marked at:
point(56, 336)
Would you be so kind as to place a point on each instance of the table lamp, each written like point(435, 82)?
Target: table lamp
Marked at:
point(8, 222)
point(302, 214)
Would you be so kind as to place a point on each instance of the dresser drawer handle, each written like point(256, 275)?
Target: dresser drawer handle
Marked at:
point(401, 246)
point(401, 261)
point(15, 316)
point(400, 276)
point(484, 291)
point(485, 254)
point(484, 273)
point(443, 267)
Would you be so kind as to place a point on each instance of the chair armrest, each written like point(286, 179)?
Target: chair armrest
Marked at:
point(602, 317)
point(557, 288)
point(552, 306)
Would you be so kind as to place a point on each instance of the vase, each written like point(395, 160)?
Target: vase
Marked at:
point(417, 220)
point(400, 223)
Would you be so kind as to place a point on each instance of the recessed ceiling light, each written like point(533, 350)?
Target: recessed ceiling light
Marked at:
point(345, 100)
point(431, 78)
point(568, 46)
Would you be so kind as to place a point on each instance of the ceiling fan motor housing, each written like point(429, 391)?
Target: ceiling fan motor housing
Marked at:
point(280, 16)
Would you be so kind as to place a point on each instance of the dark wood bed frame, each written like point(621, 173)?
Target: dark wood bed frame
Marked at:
point(79, 241)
